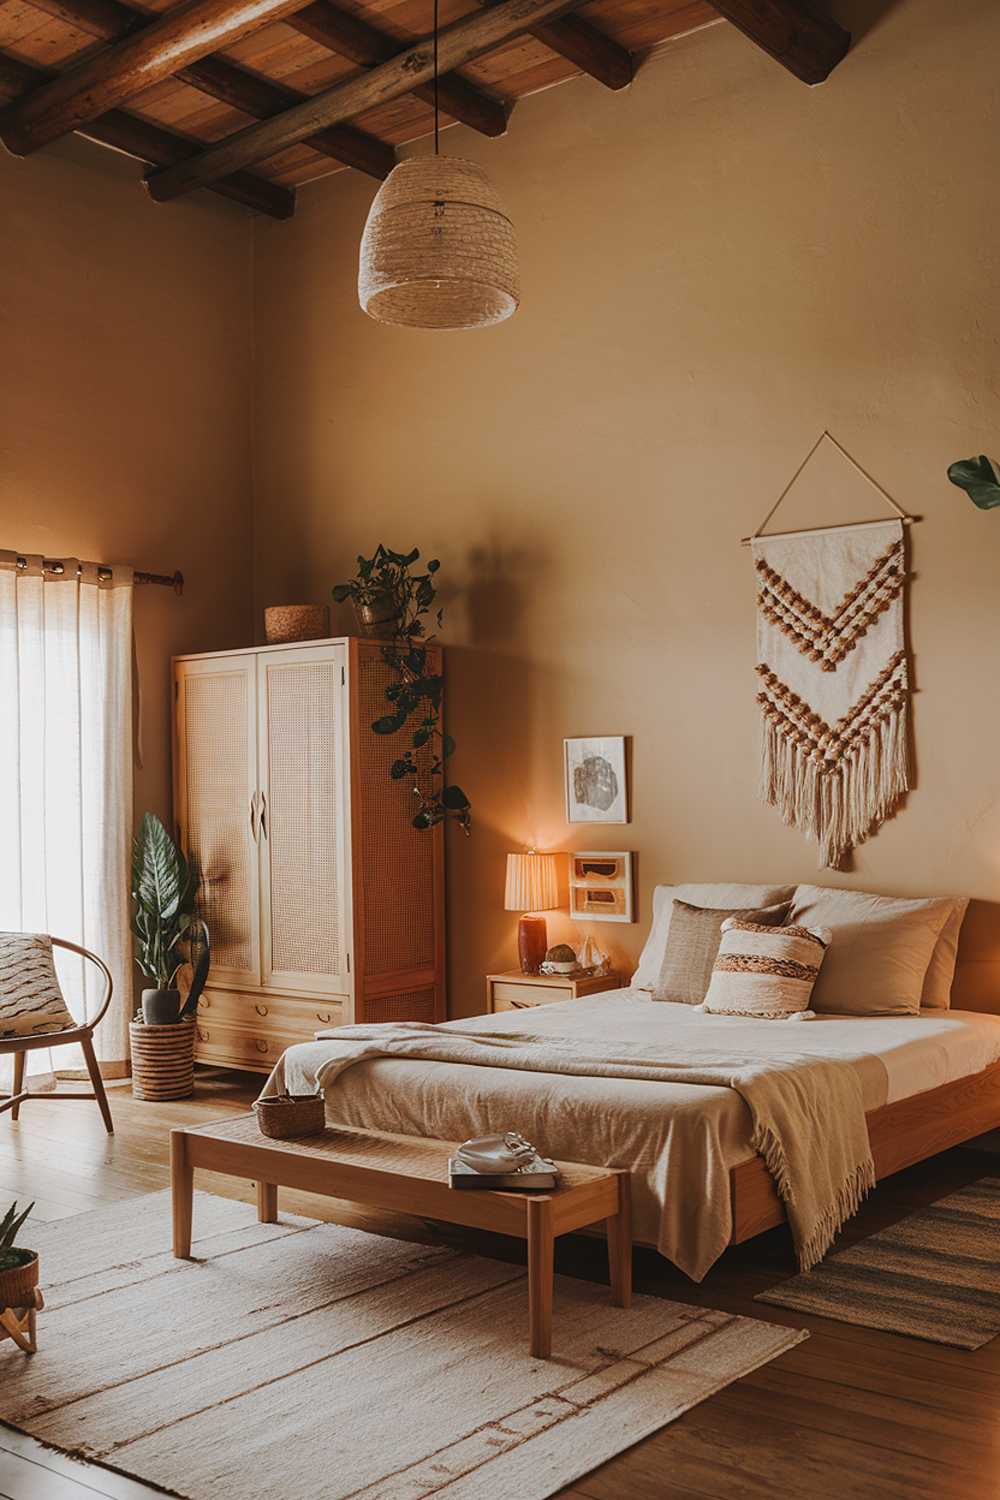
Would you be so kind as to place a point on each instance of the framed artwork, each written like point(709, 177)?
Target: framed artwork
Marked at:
point(600, 886)
point(596, 791)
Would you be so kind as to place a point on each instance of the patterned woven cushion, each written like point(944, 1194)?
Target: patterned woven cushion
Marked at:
point(31, 1002)
point(695, 932)
point(767, 972)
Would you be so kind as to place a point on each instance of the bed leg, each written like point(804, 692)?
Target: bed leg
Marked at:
point(540, 1272)
point(620, 1244)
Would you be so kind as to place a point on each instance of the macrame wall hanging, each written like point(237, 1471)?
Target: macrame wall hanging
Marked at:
point(831, 659)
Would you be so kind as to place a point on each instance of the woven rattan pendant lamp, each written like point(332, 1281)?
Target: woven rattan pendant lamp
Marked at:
point(438, 250)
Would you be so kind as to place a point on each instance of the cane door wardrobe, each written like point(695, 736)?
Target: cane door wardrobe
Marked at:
point(324, 904)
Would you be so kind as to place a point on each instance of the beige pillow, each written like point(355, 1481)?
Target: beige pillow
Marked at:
point(880, 952)
point(724, 898)
point(31, 1002)
point(695, 934)
point(940, 976)
point(766, 972)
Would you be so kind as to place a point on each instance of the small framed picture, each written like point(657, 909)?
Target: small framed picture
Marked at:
point(600, 886)
point(595, 780)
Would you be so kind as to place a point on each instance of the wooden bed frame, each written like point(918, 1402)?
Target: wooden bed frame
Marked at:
point(912, 1129)
point(902, 1133)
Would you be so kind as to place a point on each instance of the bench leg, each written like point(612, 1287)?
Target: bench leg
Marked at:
point(620, 1245)
point(181, 1193)
point(540, 1272)
point(267, 1202)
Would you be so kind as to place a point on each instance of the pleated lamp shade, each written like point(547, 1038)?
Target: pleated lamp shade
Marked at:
point(532, 884)
point(438, 250)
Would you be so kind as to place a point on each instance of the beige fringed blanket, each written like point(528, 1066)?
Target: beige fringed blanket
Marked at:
point(833, 680)
point(808, 1117)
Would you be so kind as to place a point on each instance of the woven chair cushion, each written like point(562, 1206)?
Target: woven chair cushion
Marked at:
point(31, 1002)
point(695, 934)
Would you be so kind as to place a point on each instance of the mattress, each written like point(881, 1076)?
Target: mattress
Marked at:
point(680, 1141)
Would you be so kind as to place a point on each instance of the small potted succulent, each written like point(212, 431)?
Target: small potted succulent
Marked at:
point(168, 934)
point(18, 1267)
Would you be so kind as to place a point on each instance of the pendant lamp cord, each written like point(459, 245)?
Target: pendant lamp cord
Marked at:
point(437, 131)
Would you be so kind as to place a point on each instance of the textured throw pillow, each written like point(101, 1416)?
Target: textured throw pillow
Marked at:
point(31, 1002)
point(724, 898)
point(695, 934)
point(766, 972)
point(881, 949)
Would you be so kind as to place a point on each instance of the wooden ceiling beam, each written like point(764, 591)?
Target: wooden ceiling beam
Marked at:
point(588, 49)
point(110, 20)
point(585, 47)
point(350, 36)
point(459, 43)
point(132, 65)
point(153, 144)
point(796, 33)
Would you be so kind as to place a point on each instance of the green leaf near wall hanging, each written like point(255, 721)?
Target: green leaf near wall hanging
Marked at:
point(980, 478)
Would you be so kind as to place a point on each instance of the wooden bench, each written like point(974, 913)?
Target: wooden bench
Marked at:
point(410, 1175)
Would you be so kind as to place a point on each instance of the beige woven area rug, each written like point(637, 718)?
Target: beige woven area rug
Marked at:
point(934, 1275)
point(308, 1359)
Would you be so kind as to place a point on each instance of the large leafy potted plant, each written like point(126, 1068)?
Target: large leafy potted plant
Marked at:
point(168, 934)
point(18, 1266)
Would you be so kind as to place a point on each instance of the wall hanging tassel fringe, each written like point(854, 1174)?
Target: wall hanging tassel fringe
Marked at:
point(834, 687)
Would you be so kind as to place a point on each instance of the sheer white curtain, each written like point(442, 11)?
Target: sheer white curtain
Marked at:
point(66, 780)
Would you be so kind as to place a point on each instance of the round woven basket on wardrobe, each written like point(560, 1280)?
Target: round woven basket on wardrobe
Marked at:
point(162, 1060)
point(438, 250)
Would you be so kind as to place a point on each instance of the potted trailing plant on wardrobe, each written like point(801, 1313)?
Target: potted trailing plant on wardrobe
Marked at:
point(414, 697)
point(18, 1266)
point(167, 934)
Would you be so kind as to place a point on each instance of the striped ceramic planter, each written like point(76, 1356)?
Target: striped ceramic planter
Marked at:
point(162, 1060)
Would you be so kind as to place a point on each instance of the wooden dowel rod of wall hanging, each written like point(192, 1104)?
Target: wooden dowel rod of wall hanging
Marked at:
point(827, 437)
point(57, 568)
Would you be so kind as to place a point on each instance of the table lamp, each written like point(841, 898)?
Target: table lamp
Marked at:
point(532, 886)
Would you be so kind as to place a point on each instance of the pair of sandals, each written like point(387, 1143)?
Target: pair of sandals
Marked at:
point(496, 1155)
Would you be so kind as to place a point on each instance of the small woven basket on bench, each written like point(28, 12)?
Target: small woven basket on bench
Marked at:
point(288, 1115)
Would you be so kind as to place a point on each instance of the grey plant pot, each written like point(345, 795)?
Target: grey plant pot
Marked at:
point(161, 1007)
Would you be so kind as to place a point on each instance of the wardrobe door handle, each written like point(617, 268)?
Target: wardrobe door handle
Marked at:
point(261, 1010)
point(253, 815)
point(261, 1046)
point(324, 1018)
point(263, 815)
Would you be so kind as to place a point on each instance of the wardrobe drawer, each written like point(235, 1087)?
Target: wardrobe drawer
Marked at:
point(240, 1047)
point(263, 1012)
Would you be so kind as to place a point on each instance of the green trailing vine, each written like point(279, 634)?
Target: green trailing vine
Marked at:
point(414, 698)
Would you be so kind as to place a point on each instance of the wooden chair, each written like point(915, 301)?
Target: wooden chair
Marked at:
point(84, 1034)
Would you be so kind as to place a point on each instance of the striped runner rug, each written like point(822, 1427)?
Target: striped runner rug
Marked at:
point(934, 1275)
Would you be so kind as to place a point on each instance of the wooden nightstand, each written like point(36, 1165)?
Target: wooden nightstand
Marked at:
point(517, 991)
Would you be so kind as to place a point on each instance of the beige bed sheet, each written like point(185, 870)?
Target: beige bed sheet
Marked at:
point(679, 1141)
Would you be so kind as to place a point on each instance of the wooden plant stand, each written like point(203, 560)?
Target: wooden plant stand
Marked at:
point(410, 1175)
point(18, 1323)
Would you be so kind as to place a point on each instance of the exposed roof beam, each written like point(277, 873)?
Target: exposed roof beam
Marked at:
point(352, 37)
point(795, 32)
point(130, 66)
point(110, 20)
point(457, 44)
point(587, 48)
point(152, 143)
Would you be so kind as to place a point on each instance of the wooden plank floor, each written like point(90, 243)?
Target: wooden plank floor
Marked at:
point(850, 1413)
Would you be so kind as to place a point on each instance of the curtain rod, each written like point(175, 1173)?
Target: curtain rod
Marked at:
point(54, 566)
